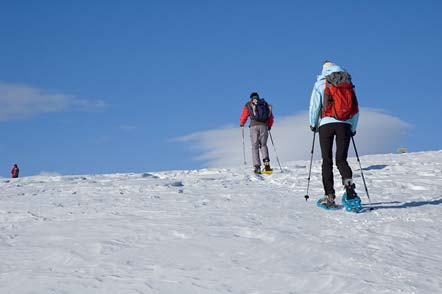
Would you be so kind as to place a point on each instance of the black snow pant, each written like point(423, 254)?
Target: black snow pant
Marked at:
point(327, 133)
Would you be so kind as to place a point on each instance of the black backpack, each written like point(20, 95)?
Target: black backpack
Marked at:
point(261, 112)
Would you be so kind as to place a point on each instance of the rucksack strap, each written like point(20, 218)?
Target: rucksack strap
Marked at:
point(328, 98)
point(252, 110)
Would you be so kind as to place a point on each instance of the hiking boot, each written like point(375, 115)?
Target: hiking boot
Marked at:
point(267, 167)
point(350, 189)
point(257, 169)
point(329, 200)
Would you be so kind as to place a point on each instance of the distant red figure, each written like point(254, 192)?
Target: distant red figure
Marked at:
point(14, 171)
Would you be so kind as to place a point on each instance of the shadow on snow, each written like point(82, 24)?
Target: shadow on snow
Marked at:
point(398, 204)
point(375, 167)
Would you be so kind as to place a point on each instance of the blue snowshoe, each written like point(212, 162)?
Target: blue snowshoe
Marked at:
point(328, 203)
point(352, 205)
point(350, 200)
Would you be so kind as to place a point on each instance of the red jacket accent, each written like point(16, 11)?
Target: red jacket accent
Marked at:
point(245, 115)
point(271, 120)
point(13, 172)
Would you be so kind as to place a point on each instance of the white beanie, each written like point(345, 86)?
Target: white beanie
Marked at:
point(327, 64)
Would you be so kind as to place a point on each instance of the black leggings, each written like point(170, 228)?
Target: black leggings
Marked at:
point(327, 133)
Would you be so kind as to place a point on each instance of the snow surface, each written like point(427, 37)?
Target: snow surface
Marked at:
point(224, 231)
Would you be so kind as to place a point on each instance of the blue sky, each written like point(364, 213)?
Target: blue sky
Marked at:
point(109, 86)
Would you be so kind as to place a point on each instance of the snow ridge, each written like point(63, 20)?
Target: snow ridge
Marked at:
point(223, 231)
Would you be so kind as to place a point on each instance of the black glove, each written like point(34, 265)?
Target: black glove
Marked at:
point(353, 133)
point(242, 126)
point(269, 128)
point(314, 129)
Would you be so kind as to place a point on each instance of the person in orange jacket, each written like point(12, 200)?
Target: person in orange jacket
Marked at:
point(15, 171)
point(261, 121)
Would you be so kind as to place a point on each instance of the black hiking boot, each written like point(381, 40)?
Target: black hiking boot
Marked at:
point(257, 169)
point(350, 189)
point(267, 169)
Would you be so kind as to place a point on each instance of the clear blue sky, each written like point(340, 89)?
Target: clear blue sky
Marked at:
point(115, 82)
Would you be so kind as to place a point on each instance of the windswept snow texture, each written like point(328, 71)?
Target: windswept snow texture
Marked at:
point(224, 231)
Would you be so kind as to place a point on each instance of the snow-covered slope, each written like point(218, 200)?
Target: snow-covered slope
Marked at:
point(223, 231)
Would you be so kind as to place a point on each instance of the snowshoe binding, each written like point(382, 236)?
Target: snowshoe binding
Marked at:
point(328, 202)
point(350, 200)
point(267, 169)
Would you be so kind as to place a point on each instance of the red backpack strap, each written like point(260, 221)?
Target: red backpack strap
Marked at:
point(327, 99)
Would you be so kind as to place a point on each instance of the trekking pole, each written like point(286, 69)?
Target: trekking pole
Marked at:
point(271, 139)
point(360, 167)
point(310, 169)
point(243, 146)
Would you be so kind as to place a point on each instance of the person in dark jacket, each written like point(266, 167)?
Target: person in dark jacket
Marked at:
point(259, 129)
point(15, 171)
